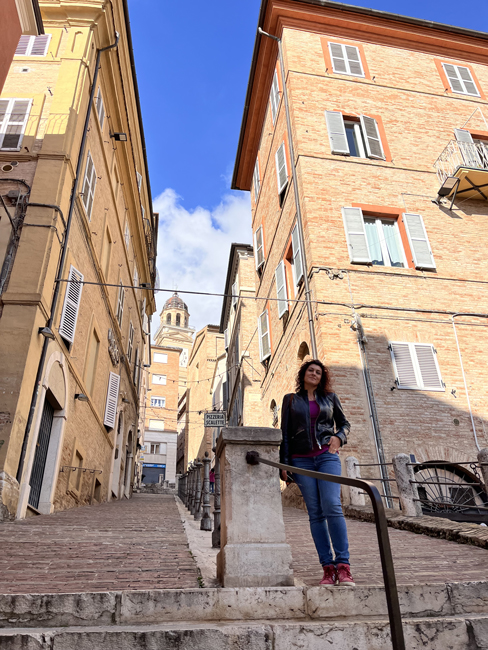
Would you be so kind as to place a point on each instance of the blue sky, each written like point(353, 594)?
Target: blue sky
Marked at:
point(193, 60)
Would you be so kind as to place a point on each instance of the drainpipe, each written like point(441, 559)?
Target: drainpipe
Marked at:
point(313, 341)
point(57, 288)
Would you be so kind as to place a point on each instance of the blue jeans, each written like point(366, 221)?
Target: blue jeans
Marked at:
point(323, 501)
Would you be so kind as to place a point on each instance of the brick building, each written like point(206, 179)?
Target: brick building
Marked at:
point(160, 432)
point(207, 348)
point(242, 388)
point(384, 111)
point(72, 350)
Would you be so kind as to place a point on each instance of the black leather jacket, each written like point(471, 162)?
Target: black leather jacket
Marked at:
point(295, 423)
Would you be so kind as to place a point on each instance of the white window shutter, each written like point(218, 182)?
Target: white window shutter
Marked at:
point(275, 97)
point(428, 368)
point(130, 343)
point(460, 79)
point(258, 247)
point(234, 291)
point(281, 169)
point(297, 256)
point(139, 180)
point(337, 132)
point(452, 75)
point(281, 292)
point(338, 57)
point(89, 183)
point(354, 60)
point(403, 365)
point(112, 398)
point(135, 375)
point(418, 240)
point(23, 45)
point(14, 114)
point(256, 180)
point(372, 137)
point(72, 299)
point(357, 241)
point(39, 45)
point(463, 136)
point(100, 108)
point(263, 331)
point(226, 338)
point(468, 81)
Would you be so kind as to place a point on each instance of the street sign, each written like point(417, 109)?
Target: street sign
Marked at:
point(214, 419)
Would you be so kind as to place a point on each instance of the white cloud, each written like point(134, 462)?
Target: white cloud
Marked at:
point(193, 251)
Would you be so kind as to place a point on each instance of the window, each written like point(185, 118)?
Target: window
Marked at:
point(275, 97)
point(226, 338)
point(281, 170)
point(107, 249)
point(346, 59)
point(78, 463)
point(384, 242)
point(168, 319)
point(91, 362)
point(120, 304)
point(159, 357)
point(264, 341)
point(296, 256)
point(135, 279)
point(139, 180)
point(280, 277)
point(137, 370)
point(352, 137)
point(156, 424)
point(235, 293)
point(178, 320)
point(71, 306)
point(100, 107)
point(33, 45)
point(159, 379)
point(154, 447)
point(14, 114)
point(259, 248)
point(460, 79)
point(376, 240)
point(127, 235)
point(112, 399)
point(89, 182)
point(255, 180)
point(130, 342)
point(158, 402)
point(415, 366)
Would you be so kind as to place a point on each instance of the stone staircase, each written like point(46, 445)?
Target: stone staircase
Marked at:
point(436, 617)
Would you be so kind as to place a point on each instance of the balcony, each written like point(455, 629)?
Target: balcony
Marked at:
point(468, 163)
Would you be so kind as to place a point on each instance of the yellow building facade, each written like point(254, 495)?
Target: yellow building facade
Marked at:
point(77, 248)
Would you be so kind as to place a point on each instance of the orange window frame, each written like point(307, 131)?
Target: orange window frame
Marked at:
point(447, 85)
point(394, 214)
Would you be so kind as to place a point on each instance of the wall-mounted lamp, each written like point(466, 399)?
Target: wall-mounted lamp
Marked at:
point(47, 333)
point(119, 137)
point(82, 397)
point(147, 365)
point(450, 184)
point(144, 285)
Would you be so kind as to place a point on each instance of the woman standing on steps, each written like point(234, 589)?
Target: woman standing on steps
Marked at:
point(310, 442)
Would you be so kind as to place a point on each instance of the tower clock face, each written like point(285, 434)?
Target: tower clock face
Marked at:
point(184, 359)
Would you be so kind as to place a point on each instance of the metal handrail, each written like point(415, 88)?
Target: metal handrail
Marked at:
point(394, 614)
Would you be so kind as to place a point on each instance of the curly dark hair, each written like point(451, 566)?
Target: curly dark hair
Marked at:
point(324, 386)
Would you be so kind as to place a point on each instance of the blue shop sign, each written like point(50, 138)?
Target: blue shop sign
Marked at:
point(152, 465)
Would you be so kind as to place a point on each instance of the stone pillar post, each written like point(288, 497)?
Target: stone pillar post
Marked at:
point(483, 461)
point(216, 526)
point(254, 552)
point(407, 491)
point(191, 497)
point(353, 471)
point(206, 522)
point(197, 511)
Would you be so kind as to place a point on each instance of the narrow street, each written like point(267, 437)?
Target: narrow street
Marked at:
point(141, 544)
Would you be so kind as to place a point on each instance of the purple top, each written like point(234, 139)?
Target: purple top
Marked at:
point(316, 450)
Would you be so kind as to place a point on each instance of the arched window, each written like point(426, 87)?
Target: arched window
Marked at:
point(168, 319)
point(178, 319)
point(186, 321)
point(273, 408)
point(303, 351)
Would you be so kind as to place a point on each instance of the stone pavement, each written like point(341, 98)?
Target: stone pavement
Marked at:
point(130, 544)
point(418, 559)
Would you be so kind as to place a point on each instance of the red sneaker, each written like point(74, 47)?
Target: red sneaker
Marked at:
point(344, 576)
point(330, 575)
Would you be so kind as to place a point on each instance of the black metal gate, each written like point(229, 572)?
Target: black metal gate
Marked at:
point(42, 446)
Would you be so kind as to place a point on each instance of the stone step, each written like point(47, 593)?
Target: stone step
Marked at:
point(238, 604)
point(446, 633)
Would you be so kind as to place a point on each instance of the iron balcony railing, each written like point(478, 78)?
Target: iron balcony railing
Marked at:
point(461, 154)
point(394, 615)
